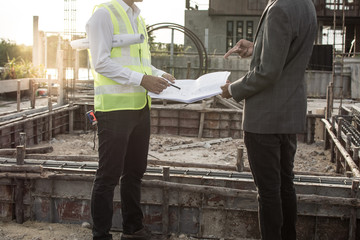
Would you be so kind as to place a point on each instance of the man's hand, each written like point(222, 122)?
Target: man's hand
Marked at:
point(154, 84)
point(169, 77)
point(243, 48)
point(225, 90)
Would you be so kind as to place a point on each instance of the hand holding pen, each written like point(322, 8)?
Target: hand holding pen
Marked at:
point(157, 84)
point(171, 79)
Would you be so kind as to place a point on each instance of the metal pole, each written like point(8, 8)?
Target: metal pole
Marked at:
point(342, 56)
point(23, 139)
point(18, 95)
point(165, 215)
point(240, 159)
point(172, 52)
point(46, 48)
point(331, 98)
point(352, 223)
point(60, 65)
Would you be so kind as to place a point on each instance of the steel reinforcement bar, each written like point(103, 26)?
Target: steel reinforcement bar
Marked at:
point(193, 200)
point(348, 161)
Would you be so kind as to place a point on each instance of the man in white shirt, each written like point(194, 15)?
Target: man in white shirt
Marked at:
point(123, 78)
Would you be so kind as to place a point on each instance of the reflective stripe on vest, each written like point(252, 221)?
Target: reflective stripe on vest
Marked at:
point(110, 95)
point(113, 89)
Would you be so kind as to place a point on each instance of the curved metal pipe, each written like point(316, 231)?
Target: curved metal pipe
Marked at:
point(195, 39)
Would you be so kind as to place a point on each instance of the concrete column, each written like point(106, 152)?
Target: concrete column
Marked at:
point(319, 37)
point(206, 40)
point(35, 50)
point(61, 78)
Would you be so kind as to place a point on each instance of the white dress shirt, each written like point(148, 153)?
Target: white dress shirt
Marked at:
point(100, 31)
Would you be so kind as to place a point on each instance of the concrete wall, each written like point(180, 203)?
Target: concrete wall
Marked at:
point(198, 21)
point(237, 7)
point(12, 85)
point(317, 81)
point(237, 66)
point(198, 205)
point(354, 65)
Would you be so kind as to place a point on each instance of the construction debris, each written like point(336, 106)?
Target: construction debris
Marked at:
point(205, 144)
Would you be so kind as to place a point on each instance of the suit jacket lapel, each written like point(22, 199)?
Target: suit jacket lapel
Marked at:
point(271, 2)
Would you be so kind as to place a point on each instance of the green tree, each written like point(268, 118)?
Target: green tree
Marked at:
point(9, 50)
point(20, 68)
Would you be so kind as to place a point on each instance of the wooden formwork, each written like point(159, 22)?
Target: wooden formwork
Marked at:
point(200, 203)
point(189, 120)
point(184, 120)
point(39, 127)
point(192, 120)
point(192, 202)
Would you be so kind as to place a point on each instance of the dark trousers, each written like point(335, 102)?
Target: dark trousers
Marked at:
point(271, 158)
point(123, 149)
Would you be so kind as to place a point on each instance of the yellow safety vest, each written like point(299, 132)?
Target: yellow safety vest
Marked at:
point(111, 95)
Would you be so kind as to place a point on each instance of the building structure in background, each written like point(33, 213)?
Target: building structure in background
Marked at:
point(224, 23)
point(345, 10)
point(227, 21)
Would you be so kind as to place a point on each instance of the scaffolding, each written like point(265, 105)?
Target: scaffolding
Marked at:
point(69, 55)
point(338, 63)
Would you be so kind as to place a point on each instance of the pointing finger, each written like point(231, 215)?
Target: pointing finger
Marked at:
point(231, 51)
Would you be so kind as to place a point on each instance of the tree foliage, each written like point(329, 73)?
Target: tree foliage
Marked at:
point(16, 61)
point(9, 50)
point(20, 68)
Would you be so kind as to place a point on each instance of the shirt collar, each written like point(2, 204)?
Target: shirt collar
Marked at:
point(128, 9)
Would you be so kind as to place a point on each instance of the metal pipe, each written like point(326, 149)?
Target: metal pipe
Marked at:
point(198, 43)
point(90, 167)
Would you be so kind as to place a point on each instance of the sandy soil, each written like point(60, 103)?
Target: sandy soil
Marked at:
point(55, 231)
point(43, 231)
point(309, 158)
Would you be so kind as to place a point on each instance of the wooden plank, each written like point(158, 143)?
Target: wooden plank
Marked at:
point(12, 151)
point(198, 144)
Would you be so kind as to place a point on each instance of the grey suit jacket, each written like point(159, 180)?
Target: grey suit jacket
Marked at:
point(274, 89)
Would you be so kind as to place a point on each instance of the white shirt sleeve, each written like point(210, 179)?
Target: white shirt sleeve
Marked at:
point(229, 89)
point(100, 32)
point(157, 72)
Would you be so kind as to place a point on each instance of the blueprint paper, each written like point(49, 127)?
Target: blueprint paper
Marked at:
point(120, 40)
point(206, 86)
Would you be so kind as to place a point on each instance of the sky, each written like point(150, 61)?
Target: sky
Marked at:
point(16, 17)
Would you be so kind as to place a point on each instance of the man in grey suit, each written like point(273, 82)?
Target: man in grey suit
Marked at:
point(275, 107)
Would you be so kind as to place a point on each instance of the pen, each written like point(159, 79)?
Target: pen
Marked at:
point(175, 86)
point(171, 84)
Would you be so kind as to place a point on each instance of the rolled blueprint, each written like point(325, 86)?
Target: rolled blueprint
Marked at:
point(120, 40)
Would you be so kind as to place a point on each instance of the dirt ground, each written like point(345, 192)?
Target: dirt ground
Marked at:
point(54, 231)
point(309, 158)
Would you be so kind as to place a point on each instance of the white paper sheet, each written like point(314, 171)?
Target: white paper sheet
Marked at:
point(206, 86)
point(120, 40)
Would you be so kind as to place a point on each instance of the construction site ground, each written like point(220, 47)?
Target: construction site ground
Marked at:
point(310, 158)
